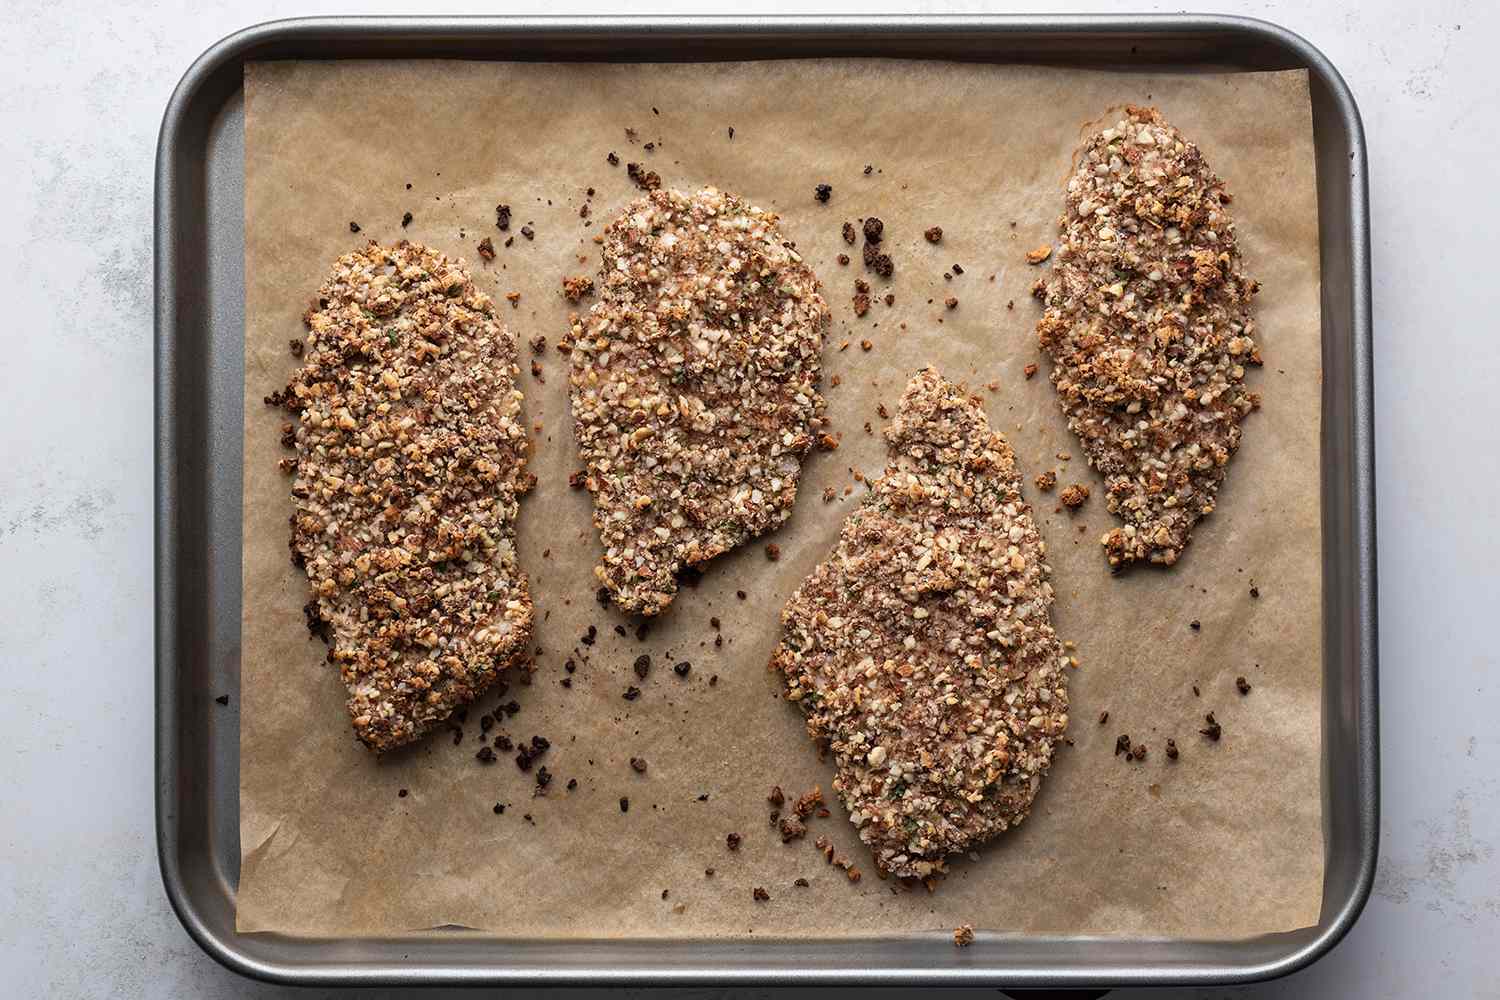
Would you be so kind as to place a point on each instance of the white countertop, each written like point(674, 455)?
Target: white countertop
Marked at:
point(82, 912)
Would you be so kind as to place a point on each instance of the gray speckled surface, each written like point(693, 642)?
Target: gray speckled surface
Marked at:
point(82, 913)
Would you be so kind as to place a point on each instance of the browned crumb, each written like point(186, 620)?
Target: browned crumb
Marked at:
point(486, 248)
point(801, 883)
point(777, 797)
point(849, 234)
point(1122, 744)
point(1212, 730)
point(869, 637)
point(538, 344)
point(1074, 495)
point(791, 829)
point(861, 303)
point(951, 302)
point(732, 841)
point(1029, 370)
point(963, 935)
point(828, 494)
point(1103, 717)
point(1038, 255)
point(1242, 685)
point(536, 371)
point(575, 288)
point(773, 551)
point(808, 802)
point(866, 345)
point(718, 385)
point(760, 895)
point(514, 298)
point(367, 442)
point(1148, 271)
point(1046, 480)
point(1172, 750)
point(934, 234)
point(843, 258)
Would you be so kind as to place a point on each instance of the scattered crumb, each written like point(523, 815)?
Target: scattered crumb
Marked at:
point(934, 234)
point(1046, 480)
point(1074, 496)
point(963, 935)
point(1038, 255)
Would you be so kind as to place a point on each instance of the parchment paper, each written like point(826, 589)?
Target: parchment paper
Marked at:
point(1226, 842)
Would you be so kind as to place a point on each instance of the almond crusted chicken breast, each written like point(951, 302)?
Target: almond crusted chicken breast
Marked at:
point(921, 649)
point(1149, 329)
point(410, 459)
point(694, 383)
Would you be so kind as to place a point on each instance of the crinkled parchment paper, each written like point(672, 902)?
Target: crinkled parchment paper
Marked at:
point(1226, 842)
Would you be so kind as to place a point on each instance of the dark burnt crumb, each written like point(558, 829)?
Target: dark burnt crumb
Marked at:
point(1254, 590)
point(511, 708)
point(731, 132)
point(642, 666)
point(486, 723)
point(353, 227)
point(890, 298)
point(528, 232)
point(957, 269)
point(406, 218)
point(572, 784)
point(1242, 685)
point(543, 778)
point(776, 797)
point(868, 428)
point(718, 641)
point(732, 841)
point(1172, 749)
point(529, 753)
point(883, 265)
point(624, 804)
point(458, 735)
point(485, 755)
point(849, 233)
point(1195, 691)
point(869, 168)
point(690, 576)
point(631, 693)
point(760, 895)
point(1122, 744)
point(681, 669)
point(576, 480)
point(502, 217)
point(631, 135)
point(882, 412)
point(703, 797)
point(539, 346)
point(861, 303)
point(486, 248)
point(590, 637)
point(808, 802)
point(843, 259)
point(713, 621)
point(801, 883)
point(708, 873)
point(963, 936)
point(934, 234)
point(528, 818)
point(650, 147)
point(1029, 371)
point(613, 159)
point(740, 594)
point(951, 302)
point(401, 793)
point(1103, 717)
point(1195, 625)
point(1138, 752)
point(575, 288)
point(1213, 730)
point(713, 680)
point(646, 180)
point(773, 551)
point(222, 699)
point(861, 285)
point(823, 192)
point(566, 682)
point(583, 210)
point(1073, 496)
point(504, 744)
point(510, 241)
point(1010, 303)
point(499, 809)
point(536, 372)
point(874, 230)
point(641, 631)
point(791, 829)
point(775, 815)
point(638, 765)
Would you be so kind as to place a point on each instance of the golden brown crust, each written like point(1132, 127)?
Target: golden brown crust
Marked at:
point(410, 459)
point(694, 385)
point(1149, 329)
point(921, 649)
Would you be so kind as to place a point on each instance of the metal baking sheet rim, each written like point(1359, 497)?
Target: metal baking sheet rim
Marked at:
point(193, 744)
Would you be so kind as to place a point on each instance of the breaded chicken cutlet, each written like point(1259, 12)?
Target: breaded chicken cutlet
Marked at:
point(1149, 329)
point(921, 650)
point(695, 387)
point(410, 459)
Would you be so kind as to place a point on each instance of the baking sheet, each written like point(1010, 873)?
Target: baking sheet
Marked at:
point(1225, 843)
